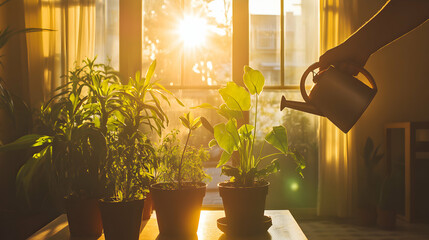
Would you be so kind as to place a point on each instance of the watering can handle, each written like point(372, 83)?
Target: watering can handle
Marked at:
point(316, 65)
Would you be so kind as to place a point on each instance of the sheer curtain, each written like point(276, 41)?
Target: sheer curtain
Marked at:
point(52, 53)
point(337, 171)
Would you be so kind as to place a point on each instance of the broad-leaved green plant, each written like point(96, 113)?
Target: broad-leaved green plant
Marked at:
point(234, 137)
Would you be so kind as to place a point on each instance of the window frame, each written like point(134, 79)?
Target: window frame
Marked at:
point(130, 43)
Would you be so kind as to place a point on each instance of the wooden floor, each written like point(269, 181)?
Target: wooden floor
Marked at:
point(340, 230)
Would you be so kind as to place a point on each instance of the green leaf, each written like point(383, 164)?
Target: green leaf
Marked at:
point(226, 136)
point(228, 113)
point(205, 105)
point(30, 170)
point(254, 80)
point(273, 167)
point(235, 97)
point(150, 72)
point(207, 125)
point(190, 122)
point(196, 123)
point(230, 171)
point(245, 130)
point(278, 138)
point(212, 143)
point(224, 158)
point(300, 162)
point(25, 142)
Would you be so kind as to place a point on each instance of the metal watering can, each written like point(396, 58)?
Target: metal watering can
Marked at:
point(336, 95)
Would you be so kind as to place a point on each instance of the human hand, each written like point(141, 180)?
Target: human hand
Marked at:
point(345, 57)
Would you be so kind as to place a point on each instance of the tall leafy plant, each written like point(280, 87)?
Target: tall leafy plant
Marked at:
point(238, 139)
point(70, 149)
point(130, 150)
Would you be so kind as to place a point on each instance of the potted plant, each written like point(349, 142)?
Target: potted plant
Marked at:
point(244, 194)
point(71, 151)
point(135, 109)
point(388, 202)
point(369, 184)
point(178, 199)
point(15, 122)
point(94, 145)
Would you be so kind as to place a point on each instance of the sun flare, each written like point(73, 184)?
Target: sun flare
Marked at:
point(193, 31)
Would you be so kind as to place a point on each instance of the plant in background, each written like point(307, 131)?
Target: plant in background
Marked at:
point(232, 137)
point(369, 180)
point(180, 167)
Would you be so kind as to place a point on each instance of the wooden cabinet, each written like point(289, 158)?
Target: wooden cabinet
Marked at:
point(414, 152)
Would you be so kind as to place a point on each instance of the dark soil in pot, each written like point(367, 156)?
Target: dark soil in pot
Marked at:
point(244, 206)
point(121, 220)
point(84, 217)
point(178, 211)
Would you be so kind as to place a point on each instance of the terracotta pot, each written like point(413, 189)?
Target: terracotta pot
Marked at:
point(147, 210)
point(121, 220)
point(367, 216)
point(386, 219)
point(84, 217)
point(178, 211)
point(244, 206)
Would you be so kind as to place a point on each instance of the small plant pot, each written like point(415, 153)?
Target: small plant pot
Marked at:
point(386, 219)
point(84, 217)
point(244, 206)
point(148, 209)
point(121, 220)
point(178, 211)
point(367, 216)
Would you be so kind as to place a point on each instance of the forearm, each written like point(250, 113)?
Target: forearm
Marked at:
point(394, 20)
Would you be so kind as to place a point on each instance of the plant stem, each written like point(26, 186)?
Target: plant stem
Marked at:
point(260, 153)
point(274, 154)
point(181, 161)
point(254, 130)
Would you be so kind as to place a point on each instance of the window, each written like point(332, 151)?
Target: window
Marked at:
point(192, 41)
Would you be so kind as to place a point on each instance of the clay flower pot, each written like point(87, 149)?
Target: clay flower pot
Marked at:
point(244, 206)
point(121, 220)
point(84, 217)
point(178, 211)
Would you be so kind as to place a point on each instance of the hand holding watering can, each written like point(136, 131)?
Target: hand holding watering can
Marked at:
point(336, 95)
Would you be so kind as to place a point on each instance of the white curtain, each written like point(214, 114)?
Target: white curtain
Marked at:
point(337, 171)
point(52, 54)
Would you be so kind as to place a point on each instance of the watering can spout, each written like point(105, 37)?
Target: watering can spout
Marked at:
point(301, 106)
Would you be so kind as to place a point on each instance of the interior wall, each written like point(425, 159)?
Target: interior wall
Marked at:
point(401, 73)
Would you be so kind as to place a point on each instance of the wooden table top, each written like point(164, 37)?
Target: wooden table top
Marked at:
point(284, 227)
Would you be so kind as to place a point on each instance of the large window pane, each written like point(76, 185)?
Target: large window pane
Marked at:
point(191, 42)
point(300, 49)
point(160, 39)
point(288, 189)
point(301, 38)
point(264, 39)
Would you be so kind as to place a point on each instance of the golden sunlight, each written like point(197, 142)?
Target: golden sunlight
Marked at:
point(193, 31)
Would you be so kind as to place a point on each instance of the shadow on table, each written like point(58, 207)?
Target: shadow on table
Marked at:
point(265, 236)
point(164, 237)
